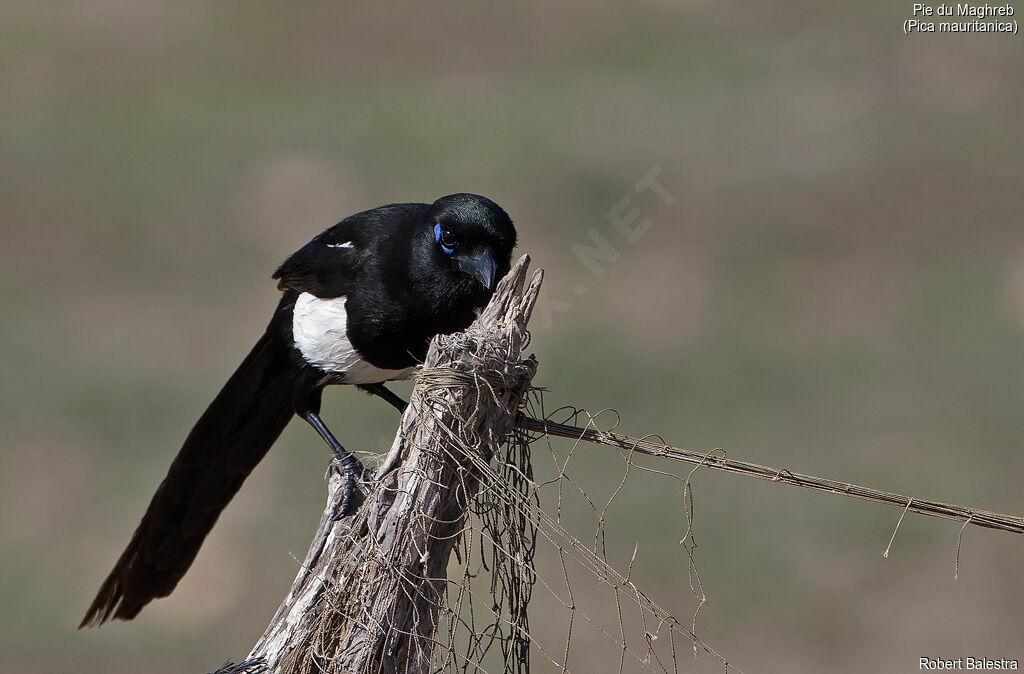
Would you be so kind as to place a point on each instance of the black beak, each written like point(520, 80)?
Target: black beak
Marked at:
point(481, 267)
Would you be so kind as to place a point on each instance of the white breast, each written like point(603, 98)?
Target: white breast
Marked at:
point(318, 327)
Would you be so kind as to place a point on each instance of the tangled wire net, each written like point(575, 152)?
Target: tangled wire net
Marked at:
point(487, 625)
point(487, 607)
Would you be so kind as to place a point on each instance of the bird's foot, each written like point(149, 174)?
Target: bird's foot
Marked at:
point(355, 484)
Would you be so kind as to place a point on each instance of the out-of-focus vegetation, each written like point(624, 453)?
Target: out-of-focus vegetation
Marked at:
point(838, 288)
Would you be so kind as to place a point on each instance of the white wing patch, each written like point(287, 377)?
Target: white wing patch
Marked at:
point(347, 244)
point(319, 330)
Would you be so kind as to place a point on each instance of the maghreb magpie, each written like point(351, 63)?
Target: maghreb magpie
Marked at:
point(361, 303)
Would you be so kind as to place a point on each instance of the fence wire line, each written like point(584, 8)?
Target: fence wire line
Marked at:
point(716, 459)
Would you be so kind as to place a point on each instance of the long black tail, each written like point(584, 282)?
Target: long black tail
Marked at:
point(224, 446)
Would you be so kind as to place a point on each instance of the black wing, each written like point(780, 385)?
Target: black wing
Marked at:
point(329, 265)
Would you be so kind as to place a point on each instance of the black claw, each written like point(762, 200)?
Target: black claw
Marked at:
point(355, 488)
point(345, 464)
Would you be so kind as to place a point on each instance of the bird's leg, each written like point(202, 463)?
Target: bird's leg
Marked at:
point(384, 392)
point(352, 470)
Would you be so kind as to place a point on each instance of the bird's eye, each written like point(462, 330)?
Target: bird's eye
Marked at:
point(445, 238)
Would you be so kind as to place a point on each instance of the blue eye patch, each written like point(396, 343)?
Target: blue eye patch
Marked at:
point(437, 237)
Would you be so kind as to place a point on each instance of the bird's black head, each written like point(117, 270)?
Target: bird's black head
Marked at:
point(466, 241)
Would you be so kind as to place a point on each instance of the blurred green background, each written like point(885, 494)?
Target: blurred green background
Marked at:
point(838, 288)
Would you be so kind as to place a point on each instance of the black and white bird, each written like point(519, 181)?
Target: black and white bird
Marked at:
point(361, 303)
